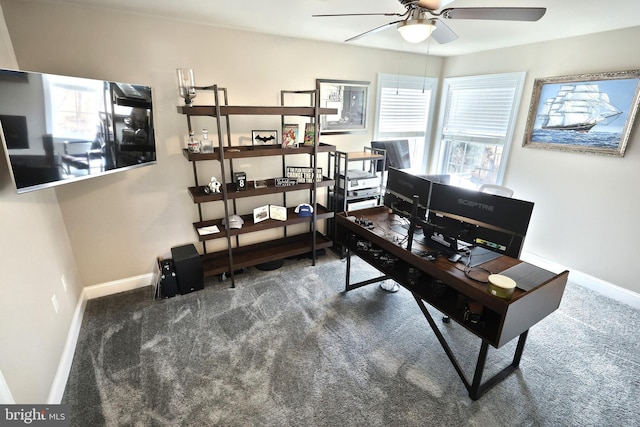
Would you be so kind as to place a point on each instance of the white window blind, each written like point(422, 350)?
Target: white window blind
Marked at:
point(477, 126)
point(479, 110)
point(404, 104)
point(404, 111)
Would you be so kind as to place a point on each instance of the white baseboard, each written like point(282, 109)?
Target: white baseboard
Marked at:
point(64, 366)
point(605, 288)
point(110, 288)
point(89, 292)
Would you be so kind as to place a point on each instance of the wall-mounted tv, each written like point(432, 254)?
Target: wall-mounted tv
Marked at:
point(58, 129)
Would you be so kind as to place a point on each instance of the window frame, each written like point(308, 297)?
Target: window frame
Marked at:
point(439, 152)
point(404, 81)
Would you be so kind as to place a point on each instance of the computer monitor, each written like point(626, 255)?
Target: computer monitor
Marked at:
point(397, 153)
point(494, 222)
point(401, 188)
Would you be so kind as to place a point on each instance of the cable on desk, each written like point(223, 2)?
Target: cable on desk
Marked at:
point(468, 269)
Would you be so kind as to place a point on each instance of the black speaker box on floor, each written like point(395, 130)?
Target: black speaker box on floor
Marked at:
point(188, 265)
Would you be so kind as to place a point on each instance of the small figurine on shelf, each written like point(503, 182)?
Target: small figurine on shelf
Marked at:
point(213, 187)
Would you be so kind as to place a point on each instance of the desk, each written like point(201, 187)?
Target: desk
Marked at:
point(458, 294)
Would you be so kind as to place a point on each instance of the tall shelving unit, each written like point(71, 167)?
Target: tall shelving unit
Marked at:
point(237, 256)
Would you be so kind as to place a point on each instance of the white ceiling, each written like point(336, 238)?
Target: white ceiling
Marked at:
point(564, 18)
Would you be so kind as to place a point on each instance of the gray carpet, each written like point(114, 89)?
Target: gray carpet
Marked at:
point(289, 348)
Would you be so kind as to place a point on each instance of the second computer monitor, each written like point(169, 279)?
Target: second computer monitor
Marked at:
point(401, 188)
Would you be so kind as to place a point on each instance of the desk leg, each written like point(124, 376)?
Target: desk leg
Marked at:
point(476, 389)
point(348, 286)
point(443, 341)
point(348, 277)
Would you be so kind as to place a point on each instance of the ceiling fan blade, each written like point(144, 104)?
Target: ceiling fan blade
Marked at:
point(495, 13)
point(373, 31)
point(443, 34)
point(428, 4)
point(358, 14)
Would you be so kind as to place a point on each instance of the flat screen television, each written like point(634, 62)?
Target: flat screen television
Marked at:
point(58, 129)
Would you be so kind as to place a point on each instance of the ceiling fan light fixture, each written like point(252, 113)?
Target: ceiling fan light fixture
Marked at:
point(416, 30)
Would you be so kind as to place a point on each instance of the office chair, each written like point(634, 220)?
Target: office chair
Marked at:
point(498, 190)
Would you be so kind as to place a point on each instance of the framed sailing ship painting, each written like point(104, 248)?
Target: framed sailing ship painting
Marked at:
point(589, 113)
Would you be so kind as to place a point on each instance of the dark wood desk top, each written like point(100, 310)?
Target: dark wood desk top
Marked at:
point(382, 235)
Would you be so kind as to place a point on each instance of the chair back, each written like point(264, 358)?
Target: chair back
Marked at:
point(498, 190)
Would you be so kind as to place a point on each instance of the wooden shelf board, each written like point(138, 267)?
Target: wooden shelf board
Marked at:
point(198, 194)
point(241, 152)
point(247, 256)
point(364, 155)
point(228, 110)
point(250, 227)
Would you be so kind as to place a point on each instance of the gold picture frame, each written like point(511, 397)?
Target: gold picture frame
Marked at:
point(587, 113)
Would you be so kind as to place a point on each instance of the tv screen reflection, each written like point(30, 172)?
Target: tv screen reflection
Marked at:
point(58, 129)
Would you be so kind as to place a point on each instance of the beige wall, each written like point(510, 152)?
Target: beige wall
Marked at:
point(586, 209)
point(36, 253)
point(117, 225)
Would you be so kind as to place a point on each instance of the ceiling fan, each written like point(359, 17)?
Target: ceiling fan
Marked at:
point(422, 19)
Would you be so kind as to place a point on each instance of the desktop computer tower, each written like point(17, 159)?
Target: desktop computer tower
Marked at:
point(188, 266)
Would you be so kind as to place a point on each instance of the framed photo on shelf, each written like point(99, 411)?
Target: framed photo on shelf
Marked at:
point(588, 113)
point(264, 137)
point(260, 183)
point(290, 135)
point(350, 98)
point(260, 214)
point(278, 212)
point(269, 212)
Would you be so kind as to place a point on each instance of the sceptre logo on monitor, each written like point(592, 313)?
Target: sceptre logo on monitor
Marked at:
point(473, 204)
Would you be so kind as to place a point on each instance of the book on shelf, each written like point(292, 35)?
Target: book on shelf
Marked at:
point(309, 134)
point(289, 135)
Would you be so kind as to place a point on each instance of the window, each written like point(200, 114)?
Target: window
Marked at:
point(404, 112)
point(477, 126)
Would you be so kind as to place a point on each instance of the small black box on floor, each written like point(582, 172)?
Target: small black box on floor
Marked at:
point(168, 279)
point(188, 265)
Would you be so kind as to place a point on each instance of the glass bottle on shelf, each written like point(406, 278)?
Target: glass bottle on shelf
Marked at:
point(207, 144)
point(193, 145)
